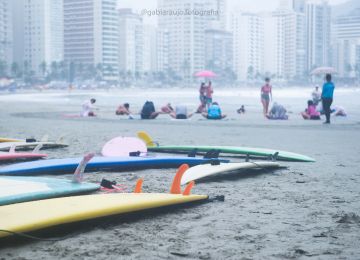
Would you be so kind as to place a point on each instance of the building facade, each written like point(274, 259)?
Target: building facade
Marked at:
point(318, 34)
point(6, 38)
point(91, 34)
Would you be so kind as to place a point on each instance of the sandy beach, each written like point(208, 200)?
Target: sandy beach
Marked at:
point(307, 210)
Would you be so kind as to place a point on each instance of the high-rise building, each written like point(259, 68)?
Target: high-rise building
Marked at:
point(219, 50)
point(293, 5)
point(284, 48)
point(38, 34)
point(187, 32)
point(6, 31)
point(91, 34)
point(248, 45)
point(346, 43)
point(161, 51)
point(131, 41)
point(318, 20)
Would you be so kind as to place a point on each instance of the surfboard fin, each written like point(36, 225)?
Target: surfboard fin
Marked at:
point(45, 138)
point(187, 190)
point(212, 154)
point(12, 148)
point(193, 153)
point(247, 158)
point(138, 186)
point(60, 140)
point(37, 148)
point(176, 185)
point(79, 172)
point(274, 157)
point(147, 139)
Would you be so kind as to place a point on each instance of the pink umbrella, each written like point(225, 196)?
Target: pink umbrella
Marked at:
point(205, 74)
point(323, 70)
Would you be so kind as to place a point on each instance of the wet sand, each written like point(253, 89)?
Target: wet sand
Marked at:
point(306, 210)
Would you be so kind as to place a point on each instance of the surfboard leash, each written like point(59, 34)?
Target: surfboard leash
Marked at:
point(24, 235)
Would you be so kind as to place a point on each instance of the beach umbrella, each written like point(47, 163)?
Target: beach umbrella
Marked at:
point(323, 70)
point(205, 74)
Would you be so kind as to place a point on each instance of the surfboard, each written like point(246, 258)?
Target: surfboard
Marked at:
point(30, 145)
point(42, 214)
point(9, 156)
point(4, 139)
point(68, 165)
point(21, 189)
point(202, 171)
point(123, 146)
point(251, 151)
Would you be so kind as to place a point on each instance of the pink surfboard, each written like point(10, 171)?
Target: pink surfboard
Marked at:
point(10, 156)
point(123, 146)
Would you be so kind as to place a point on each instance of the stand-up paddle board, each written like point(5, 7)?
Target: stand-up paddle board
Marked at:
point(8, 156)
point(63, 166)
point(256, 152)
point(36, 215)
point(123, 146)
point(202, 171)
point(30, 144)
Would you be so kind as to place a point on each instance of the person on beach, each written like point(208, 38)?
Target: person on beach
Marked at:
point(214, 112)
point(167, 109)
point(266, 96)
point(316, 95)
point(277, 112)
point(88, 108)
point(208, 94)
point(123, 109)
point(241, 110)
point(202, 98)
point(327, 95)
point(148, 111)
point(310, 112)
point(339, 111)
point(180, 113)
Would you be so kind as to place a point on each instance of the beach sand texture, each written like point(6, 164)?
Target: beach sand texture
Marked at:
point(306, 210)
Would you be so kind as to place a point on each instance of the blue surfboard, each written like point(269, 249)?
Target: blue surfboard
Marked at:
point(21, 189)
point(68, 165)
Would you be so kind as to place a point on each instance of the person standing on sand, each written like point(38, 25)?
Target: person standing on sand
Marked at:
point(327, 95)
point(316, 95)
point(208, 93)
point(202, 98)
point(266, 96)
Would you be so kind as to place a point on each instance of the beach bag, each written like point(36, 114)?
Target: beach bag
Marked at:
point(148, 108)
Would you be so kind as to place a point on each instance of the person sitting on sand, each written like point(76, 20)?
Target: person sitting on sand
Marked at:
point(214, 112)
point(88, 108)
point(123, 109)
point(340, 111)
point(311, 113)
point(180, 113)
point(241, 110)
point(148, 111)
point(277, 112)
point(167, 109)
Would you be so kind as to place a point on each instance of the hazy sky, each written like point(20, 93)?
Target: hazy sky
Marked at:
point(246, 5)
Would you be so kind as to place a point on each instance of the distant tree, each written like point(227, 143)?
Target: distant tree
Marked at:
point(15, 70)
point(43, 68)
point(250, 73)
point(3, 68)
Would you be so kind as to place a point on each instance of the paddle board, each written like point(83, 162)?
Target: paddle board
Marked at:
point(123, 146)
point(42, 214)
point(21, 189)
point(68, 165)
point(202, 171)
point(257, 152)
point(9, 156)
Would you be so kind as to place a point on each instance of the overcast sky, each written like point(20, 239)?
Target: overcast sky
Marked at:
point(246, 5)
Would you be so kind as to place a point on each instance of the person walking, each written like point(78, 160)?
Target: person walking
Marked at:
point(266, 96)
point(327, 95)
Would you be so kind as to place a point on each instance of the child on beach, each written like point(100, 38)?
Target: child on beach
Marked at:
point(311, 113)
point(277, 112)
point(241, 110)
point(214, 112)
point(266, 96)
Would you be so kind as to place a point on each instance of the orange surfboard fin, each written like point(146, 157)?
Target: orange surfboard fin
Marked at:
point(176, 185)
point(187, 190)
point(138, 186)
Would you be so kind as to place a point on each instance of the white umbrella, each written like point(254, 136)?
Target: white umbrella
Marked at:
point(323, 70)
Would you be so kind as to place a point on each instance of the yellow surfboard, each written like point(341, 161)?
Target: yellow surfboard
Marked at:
point(5, 140)
point(36, 215)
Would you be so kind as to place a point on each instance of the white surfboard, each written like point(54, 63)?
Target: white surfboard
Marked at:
point(204, 170)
